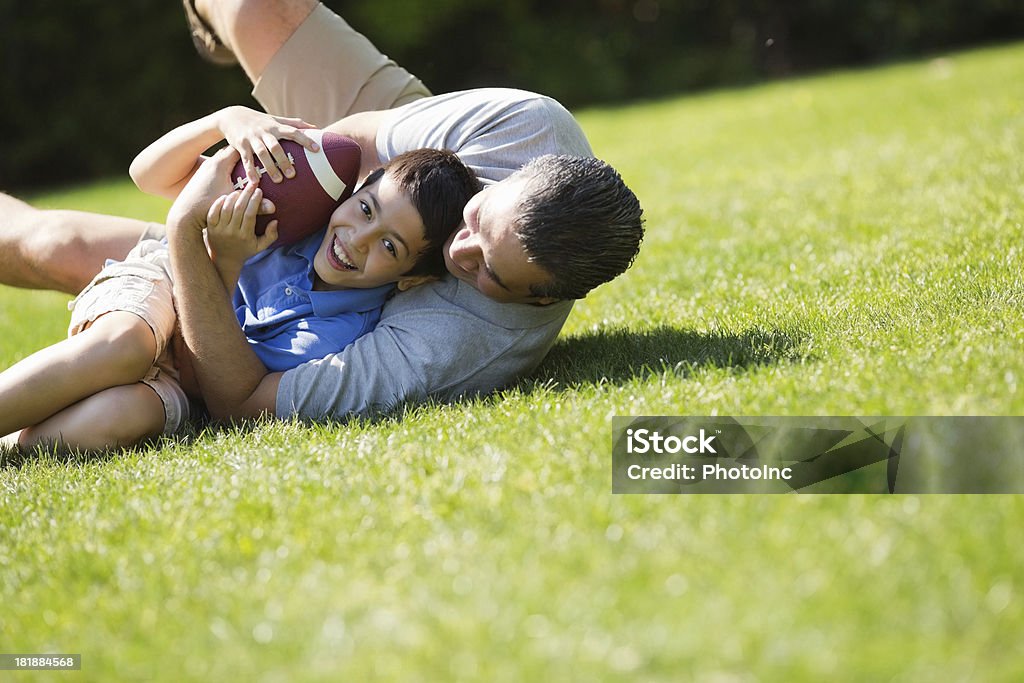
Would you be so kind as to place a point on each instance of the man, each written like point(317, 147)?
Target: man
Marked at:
point(536, 238)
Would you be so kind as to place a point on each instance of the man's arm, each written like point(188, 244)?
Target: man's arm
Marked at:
point(442, 340)
point(231, 378)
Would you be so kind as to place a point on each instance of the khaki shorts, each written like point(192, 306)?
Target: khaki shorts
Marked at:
point(327, 70)
point(141, 284)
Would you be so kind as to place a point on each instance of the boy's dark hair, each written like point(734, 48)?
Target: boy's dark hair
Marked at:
point(578, 221)
point(439, 185)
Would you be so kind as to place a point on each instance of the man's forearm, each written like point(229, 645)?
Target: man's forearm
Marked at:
point(228, 372)
point(229, 274)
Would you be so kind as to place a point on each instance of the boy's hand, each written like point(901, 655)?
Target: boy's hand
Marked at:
point(257, 136)
point(231, 228)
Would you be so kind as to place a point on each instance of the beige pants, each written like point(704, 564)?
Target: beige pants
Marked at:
point(327, 70)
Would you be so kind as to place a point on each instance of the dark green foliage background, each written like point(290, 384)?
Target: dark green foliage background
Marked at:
point(85, 84)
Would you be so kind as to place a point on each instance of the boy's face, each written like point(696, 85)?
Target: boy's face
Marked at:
point(372, 238)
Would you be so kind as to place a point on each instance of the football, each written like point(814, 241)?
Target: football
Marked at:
point(322, 181)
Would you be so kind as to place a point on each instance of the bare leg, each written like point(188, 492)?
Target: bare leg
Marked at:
point(119, 348)
point(58, 249)
point(254, 29)
point(113, 418)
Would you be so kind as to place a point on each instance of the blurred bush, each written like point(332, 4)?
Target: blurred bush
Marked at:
point(85, 84)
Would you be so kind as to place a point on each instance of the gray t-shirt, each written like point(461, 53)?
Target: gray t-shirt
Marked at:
point(445, 339)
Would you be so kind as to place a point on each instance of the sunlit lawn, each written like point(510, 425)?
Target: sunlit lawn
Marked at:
point(849, 244)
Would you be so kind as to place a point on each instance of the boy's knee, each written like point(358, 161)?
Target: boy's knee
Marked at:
point(128, 344)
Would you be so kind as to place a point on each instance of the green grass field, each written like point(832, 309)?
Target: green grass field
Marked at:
point(849, 244)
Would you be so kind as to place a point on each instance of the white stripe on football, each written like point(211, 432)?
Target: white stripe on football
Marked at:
point(322, 181)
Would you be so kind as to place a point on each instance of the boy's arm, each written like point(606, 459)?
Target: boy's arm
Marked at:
point(166, 166)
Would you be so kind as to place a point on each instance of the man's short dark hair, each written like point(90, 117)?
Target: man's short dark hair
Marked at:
point(578, 221)
point(439, 186)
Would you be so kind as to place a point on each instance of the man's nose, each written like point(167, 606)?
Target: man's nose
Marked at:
point(464, 249)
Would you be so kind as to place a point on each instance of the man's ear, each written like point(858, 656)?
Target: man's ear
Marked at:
point(409, 282)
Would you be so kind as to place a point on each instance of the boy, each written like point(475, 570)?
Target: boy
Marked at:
point(113, 381)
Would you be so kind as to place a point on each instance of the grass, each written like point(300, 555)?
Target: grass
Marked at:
point(849, 244)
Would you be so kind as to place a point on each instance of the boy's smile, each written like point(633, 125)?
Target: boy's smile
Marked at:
point(338, 256)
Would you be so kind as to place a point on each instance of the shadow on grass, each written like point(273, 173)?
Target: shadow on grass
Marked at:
point(622, 355)
point(54, 456)
point(593, 358)
point(15, 458)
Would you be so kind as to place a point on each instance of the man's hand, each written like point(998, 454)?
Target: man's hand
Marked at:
point(231, 229)
point(257, 136)
point(211, 180)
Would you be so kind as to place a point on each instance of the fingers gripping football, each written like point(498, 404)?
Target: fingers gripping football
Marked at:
point(321, 180)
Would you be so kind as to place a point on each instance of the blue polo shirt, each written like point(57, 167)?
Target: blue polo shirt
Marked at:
point(287, 323)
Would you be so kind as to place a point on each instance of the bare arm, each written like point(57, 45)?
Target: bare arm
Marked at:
point(165, 166)
point(231, 378)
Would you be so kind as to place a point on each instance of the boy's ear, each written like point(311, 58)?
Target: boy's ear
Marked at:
point(409, 282)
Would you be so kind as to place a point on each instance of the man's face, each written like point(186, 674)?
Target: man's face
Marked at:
point(485, 251)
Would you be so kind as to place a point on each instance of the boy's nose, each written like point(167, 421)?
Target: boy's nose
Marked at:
point(360, 239)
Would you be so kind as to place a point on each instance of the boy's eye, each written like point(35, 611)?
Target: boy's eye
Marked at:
point(390, 246)
point(366, 209)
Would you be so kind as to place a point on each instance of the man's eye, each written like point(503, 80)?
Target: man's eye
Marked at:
point(390, 246)
point(366, 209)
